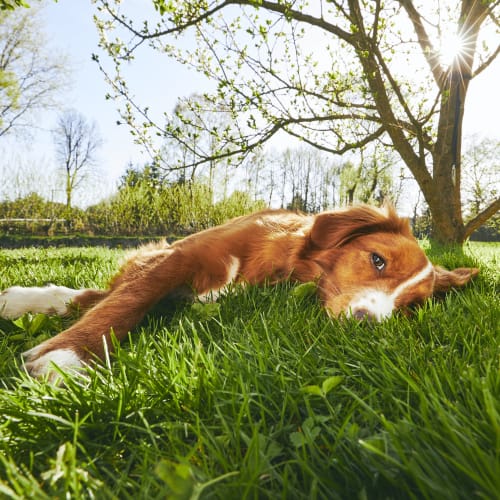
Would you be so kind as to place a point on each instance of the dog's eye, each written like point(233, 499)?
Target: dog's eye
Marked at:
point(378, 262)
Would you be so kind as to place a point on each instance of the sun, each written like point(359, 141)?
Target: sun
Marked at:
point(452, 47)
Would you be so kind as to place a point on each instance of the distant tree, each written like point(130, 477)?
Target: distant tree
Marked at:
point(31, 75)
point(307, 178)
point(482, 184)
point(21, 175)
point(147, 175)
point(297, 203)
point(370, 181)
point(77, 142)
point(196, 118)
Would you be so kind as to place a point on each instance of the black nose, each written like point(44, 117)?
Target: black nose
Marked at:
point(363, 314)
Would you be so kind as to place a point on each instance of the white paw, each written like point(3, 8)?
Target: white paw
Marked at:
point(41, 366)
point(51, 299)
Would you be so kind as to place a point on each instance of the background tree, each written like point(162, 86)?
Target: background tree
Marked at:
point(357, 89)
point(370, 180)
point(21, 176)
point(31, 74)
point(77, 142)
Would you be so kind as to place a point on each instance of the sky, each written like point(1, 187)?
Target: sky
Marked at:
point(70, 28)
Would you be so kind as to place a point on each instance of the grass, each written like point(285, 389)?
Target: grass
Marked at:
point(259, 396)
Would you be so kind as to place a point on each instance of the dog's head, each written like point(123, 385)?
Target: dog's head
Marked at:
point(372, 264)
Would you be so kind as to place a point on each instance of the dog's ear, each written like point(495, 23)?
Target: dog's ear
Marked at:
point(334, 229)
point(445, 280)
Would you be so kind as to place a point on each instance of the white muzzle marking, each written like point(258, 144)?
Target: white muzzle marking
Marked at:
point(381, 304)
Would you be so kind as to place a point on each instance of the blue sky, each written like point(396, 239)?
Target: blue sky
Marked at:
point(70, 27)
point(159, 81)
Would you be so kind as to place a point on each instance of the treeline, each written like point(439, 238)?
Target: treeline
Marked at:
point(144, 209)
point(152, 201)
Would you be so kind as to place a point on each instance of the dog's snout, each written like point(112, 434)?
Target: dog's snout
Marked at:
point(364, 314)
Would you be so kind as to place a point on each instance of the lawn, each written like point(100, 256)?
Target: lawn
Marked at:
point(259, 396)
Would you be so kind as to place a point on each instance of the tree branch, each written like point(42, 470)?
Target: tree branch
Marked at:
point(486, 63)
point(430, 53)
point(277, 7)
point(374, 75)
point(347, 146)
point(481, 218)
point(284, 8)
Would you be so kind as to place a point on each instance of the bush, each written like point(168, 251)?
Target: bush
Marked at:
point(179, 208)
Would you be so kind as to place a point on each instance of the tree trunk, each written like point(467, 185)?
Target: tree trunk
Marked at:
point(443, 197)
point(69, 191)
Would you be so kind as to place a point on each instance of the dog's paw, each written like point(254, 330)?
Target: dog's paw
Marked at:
point(51, 299)
point(40, 362)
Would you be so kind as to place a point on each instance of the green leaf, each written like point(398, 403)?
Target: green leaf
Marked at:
point(304, 290)
point(178, 477)
point(309, 433)
point(22, 322)
point(38, 322)
point(204, 312)
point(330, 383)
point(297, 439)
point(312, 389)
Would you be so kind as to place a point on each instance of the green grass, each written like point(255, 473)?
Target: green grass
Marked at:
point(260, 396)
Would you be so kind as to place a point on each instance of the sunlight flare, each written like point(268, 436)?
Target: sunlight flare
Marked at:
point(452, 47)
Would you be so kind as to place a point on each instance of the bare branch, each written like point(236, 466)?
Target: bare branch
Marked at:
point(77, 142)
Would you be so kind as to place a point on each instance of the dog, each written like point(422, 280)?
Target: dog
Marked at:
point(365, 261)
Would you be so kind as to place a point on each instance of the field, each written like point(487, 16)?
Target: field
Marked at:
point(258, 396)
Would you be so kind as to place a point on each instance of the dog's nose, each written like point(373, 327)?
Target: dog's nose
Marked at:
point(364, 314)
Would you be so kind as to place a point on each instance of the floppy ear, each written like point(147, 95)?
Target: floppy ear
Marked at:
point(334, 229)
point(445, 280)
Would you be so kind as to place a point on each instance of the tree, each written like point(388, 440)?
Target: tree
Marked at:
point(31, 76)
point(369, 181)
point(356, 90)
point(21, 176)
point(77, 142)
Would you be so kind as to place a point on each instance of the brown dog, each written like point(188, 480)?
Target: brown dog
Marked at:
point(365, 260)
